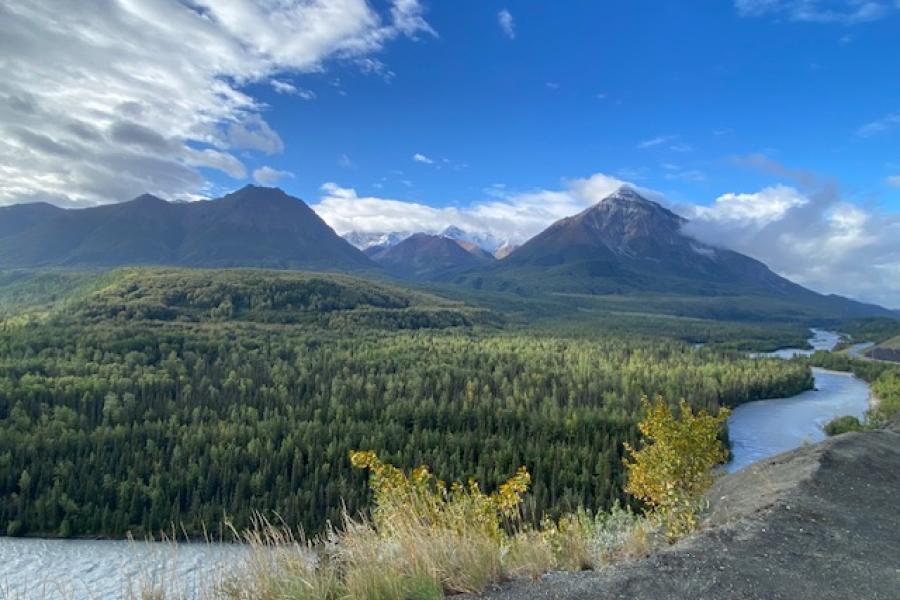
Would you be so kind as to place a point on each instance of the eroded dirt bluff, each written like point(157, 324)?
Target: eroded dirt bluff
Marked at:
point(821, 522)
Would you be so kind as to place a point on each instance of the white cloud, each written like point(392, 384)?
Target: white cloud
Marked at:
point(504, 215)
point(507, 24)
point(754, 211)
point(815, 239)
point(880, 126)
point(253, 133)
point(893, 180)
point(421, 158)
point(101, 103)
point(269, 176)
point(286, 87)
point(846, 12)
point(656, 141)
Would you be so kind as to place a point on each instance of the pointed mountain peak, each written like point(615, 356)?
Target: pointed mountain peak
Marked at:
point(627, 205)
point(149, 199)
point(251, 193)
point(625, 192)
point(453, 232)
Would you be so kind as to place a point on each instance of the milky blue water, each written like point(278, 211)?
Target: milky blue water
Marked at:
point(768, 427)
point(93, 569)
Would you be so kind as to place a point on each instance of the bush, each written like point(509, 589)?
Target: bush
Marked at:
point(14, 528)
point(450, 536)
point(673, 469)
point(843, 424)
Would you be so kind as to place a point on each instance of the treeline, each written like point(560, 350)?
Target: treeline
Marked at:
point(131, 425)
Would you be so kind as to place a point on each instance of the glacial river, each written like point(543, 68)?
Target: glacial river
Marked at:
point(767, 427)
point(88, 570)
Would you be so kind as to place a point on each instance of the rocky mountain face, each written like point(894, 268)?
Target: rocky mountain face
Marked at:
point(252, 227)
point(633, 242)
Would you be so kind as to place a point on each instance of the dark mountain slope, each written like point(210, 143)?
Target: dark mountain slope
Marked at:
point(424, 256)
point(253, 227)
point(638, 242)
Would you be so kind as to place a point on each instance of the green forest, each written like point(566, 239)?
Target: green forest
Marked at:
point(168, 397)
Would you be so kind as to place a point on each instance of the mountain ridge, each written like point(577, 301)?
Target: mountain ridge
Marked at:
point(626, 244)
point(251, 227)
point(424, 256)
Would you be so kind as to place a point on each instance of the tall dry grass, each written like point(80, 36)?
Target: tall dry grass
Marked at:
point(425, 540)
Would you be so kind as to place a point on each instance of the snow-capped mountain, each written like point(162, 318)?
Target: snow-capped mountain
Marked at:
point(483, 240)
point(487, 242)
point(365, 239)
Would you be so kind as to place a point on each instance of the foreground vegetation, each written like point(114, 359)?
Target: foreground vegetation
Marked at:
point(187, 397)
point(423, 538)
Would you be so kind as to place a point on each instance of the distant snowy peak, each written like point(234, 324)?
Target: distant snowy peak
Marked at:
point(487, 242)
point(364, 239)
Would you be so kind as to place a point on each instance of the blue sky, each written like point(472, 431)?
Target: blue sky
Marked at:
point(586, 87)
point(774, 125)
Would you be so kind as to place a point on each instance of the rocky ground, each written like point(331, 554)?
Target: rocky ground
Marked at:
point(821, 522)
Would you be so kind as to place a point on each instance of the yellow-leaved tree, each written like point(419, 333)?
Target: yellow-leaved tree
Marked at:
point(674, 466)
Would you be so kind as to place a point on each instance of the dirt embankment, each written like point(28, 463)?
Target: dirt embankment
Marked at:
point(880, 353)
point(818, 523)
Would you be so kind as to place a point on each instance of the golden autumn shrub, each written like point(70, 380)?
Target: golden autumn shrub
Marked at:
point(674, 466)
point(451, 534)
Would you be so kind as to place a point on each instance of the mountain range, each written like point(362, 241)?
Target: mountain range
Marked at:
point(468, 239)
point(252, 227)
point(624, 245)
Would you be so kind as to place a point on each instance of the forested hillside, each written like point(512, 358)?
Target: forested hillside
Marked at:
point(184, 397)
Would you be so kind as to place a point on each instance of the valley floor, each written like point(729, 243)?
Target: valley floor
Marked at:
point(820, 522)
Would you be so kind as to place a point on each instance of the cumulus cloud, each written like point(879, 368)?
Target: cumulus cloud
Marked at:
point(507, 24)
point(269, 176)
point(421, 158)
point(813, 237)
point(102, 101)
point(846, 12)
point(504, 215)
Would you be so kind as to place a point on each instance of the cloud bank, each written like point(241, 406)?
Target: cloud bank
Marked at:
point(513, 217)
point(134, 96)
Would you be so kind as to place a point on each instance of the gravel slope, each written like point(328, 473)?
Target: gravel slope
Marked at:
point(820, 523)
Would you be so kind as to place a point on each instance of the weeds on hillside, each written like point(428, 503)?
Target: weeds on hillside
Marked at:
point(425, 539)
